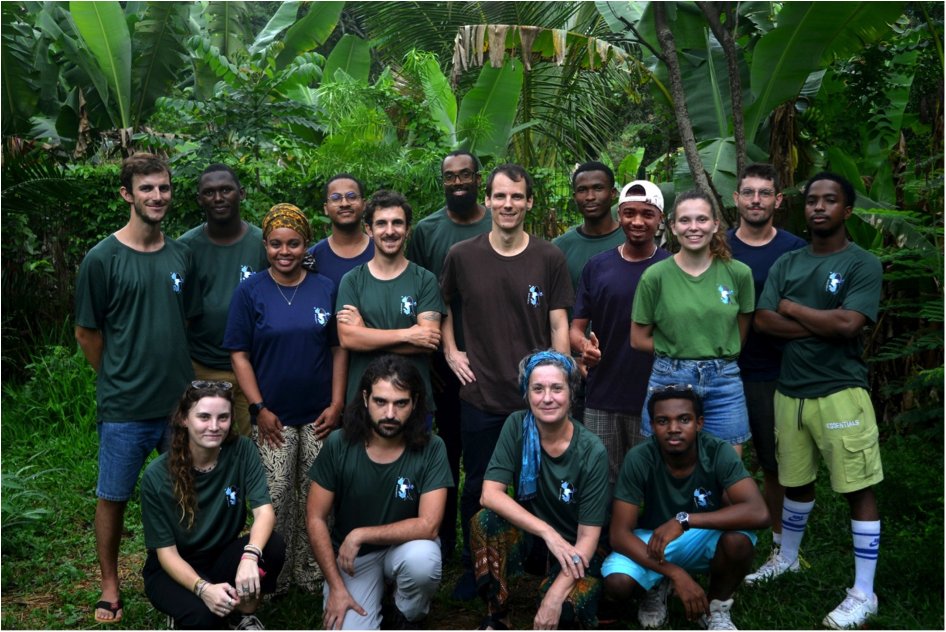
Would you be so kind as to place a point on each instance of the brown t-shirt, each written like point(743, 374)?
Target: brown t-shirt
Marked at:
point(506, 305)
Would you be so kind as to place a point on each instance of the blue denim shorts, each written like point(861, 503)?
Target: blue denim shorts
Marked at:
point(123, 449)
point(718, 383)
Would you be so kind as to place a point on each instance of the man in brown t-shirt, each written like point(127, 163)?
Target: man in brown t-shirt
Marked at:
point(515, 290)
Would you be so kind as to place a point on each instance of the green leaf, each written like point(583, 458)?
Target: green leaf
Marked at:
point(351, 55)
point(495, 97)
point(901, 226)
point(160, 54)
point(311, 31)
point(840, 162)
point(284, 17)
point(440, 98)
point(627, 171)
point(102, 26)
point(20, 94)
point(226, 26)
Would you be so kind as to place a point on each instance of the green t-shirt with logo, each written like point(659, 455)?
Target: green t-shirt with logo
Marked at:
point(369, 494)
point(220, 269)
point(850, 279)
point(139, 301)
point(222, 495)
point(695, 317)
point(645, 479)
point(431, 240)
point(572, 488)
point(392, 304)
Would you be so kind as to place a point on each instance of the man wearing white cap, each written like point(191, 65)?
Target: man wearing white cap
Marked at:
point(617, 374)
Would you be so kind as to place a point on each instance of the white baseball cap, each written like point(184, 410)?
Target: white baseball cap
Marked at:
point(652, 194)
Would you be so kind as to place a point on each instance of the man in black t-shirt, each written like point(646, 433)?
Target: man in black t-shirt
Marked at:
point(682, 474)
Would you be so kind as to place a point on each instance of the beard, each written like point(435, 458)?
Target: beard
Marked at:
point(463, 204)
point(387, 433)
point(761, 221)
point(142, 212)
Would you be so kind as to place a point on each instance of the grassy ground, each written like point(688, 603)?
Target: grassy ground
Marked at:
point(50, 573)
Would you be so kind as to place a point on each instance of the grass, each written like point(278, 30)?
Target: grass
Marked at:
point(50, 572)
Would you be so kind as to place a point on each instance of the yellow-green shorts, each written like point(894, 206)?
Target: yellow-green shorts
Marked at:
point(840, 427)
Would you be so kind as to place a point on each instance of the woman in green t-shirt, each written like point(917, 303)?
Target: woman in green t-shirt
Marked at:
point(693, 312)
point(551, 527)
point(199, 571)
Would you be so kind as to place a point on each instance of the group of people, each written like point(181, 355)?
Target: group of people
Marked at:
point(337, 387)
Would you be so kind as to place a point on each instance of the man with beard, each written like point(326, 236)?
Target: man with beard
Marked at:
point(390, 304)
point(384, 477)
point(515, 291)
point(348, 246)
point(819, 299)
point(462, 217)
point(617, 374)
point(135, 291)
point(593, 191)
point(758, 244)
point(227, 250)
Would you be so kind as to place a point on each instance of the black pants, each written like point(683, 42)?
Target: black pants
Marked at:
point(448, 427)
point(189, 611)
point(480, 432)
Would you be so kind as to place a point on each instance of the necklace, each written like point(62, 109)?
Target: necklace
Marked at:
point(621, 251)
point(288, 300)
point(204, 470)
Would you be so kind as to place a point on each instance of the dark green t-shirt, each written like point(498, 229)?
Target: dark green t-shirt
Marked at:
point(139, 301)
point(579, 248)
point(393, 304)
point(220, 269)
point(222, 494)
point(369, 494)
point(850, 279)
point(644, 478)
point(572, 488)
point(675, 302)
point(431, 240)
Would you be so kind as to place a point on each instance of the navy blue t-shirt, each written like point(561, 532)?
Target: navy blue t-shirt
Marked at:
point(606, 296)
point(289, 345)
point(761, 356)
point(335, 267)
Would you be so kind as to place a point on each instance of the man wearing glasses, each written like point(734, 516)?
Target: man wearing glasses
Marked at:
point(758, 244)
point(348, 246)
point(461, 218)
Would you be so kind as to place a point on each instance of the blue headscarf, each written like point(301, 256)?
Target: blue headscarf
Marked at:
point(531, 446)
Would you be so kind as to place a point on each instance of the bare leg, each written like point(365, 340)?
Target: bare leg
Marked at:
point(774, 495)
point(803, 494)
point(621, 586)
point(109, 522)
point(863, 505)
point(738, 448)
point(731, 563)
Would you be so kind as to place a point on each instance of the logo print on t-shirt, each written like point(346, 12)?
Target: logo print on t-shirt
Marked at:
point(246, 272)
point(178, 281)
point(701, 497)
point(403, 488)
point(566, 492)
point(407, 305)
point(321, 316)
point(534, 295)
point(833, 284)
point(725, 294)
point(231, 493)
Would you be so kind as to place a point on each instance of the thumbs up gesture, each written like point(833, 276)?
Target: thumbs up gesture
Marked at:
point(591, 354)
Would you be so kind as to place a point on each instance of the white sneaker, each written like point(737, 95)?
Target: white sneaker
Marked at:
point(653, 609)
point(249, 622)
point(773, 567)
point(853, 611)
point(718, 618)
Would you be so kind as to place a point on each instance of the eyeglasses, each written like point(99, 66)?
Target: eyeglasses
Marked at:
point(464, 177)
point(680, 388)
point(211, 384)
point(336, 198)
point(765, 194)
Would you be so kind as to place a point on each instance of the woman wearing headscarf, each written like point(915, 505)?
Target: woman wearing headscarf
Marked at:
point(551, 527)
point(284, 348)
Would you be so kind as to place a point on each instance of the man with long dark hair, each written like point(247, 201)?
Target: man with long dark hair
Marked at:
point(385, 479)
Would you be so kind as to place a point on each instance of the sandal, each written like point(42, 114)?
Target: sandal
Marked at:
point(114, 607)
point(492, 621)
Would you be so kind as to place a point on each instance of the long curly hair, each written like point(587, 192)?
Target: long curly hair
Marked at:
point(180, 461)
point(403, 375)
point(718, 247)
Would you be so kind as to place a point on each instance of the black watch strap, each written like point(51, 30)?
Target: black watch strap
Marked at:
point(255, 409)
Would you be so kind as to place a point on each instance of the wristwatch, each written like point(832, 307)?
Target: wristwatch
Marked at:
point(684, 519)
point(255, 409)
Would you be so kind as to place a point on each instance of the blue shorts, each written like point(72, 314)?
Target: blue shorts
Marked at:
point(693, 551)
point(123, 449)
point(718, 383)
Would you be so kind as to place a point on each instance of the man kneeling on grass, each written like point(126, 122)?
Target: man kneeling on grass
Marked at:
point(688, 527)
point(385, 477)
